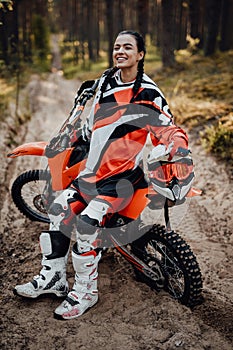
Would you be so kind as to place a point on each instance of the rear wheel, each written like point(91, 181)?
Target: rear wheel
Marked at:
point(177, 263)
point(28, 194)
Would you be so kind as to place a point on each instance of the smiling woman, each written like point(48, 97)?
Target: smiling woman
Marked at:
point(128, 106)
point(126, 56)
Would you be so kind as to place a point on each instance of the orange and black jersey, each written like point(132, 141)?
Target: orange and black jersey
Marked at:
point(118, 127)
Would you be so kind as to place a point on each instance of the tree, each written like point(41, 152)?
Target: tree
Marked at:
point(180, 24)
point(212, 20)
point(168, 57)
point(196, 21)
point(110, 28)
point(226, 29)
point(89, 25)
point(143, 12)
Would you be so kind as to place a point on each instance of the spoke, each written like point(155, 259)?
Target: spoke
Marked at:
point(31, 194)
point(175, 277)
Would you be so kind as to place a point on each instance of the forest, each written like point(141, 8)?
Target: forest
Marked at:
point(91, 26)
point(47, 48)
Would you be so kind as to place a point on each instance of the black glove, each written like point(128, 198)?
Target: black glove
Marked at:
point(182, 152)
point(57, 145)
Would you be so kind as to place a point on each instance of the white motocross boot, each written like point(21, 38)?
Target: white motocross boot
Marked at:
point(52, 278)
point(84, 293)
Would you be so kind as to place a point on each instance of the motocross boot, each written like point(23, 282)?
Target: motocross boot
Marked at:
point(84, 293)
point(52, 278)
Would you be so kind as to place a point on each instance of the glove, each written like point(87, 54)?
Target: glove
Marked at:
point(57, 145)
point(159, 153)
point(178, 153)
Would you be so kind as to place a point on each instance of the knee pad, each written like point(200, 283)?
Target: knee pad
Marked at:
point(96, 210)
point(60, 209)
point(86, 225)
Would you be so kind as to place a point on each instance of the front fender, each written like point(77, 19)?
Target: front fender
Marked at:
point(28, 149)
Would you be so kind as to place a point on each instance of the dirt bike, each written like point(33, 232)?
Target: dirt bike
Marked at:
point(161, 258)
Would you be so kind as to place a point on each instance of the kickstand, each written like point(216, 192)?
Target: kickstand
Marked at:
point(166, 217)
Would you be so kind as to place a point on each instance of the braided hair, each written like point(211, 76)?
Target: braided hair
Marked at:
point(141, 47)
point(108, 74)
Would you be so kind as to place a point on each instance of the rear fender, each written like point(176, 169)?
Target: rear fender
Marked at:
point(28, 149)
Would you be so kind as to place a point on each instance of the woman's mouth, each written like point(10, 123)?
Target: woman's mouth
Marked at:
point(121, 59)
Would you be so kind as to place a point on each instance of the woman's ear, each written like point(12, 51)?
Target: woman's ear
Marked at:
point(141, 55)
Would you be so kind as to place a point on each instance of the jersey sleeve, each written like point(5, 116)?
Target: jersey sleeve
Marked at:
point(161, 122)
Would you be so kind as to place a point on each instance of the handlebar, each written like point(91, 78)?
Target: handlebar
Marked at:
point(60, 142)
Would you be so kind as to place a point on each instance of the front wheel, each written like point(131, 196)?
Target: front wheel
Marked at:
point(27, 193)
point(177, 263)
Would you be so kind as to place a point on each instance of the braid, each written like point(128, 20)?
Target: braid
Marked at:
point(139, 76)
point(141, 47)
point(109, 73)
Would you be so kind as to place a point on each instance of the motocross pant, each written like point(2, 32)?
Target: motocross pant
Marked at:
point(93, 213)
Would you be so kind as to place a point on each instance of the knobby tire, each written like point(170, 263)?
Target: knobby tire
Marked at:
point(176, 260)
point(22, 203)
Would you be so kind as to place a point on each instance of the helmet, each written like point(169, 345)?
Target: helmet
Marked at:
point(172, 179)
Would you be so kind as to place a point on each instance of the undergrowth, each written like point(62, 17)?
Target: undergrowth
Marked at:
point(218, 139)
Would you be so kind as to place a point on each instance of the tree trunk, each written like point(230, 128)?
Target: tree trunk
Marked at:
point(212, 18)
point(3, 36)
point(226, 30)
point(194, 15)
point(90, 31)
point(168, 57)
point(142, 11)
point(110, 21)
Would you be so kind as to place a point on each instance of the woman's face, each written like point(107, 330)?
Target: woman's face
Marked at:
point(125, 52)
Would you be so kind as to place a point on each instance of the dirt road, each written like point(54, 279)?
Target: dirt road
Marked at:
point(128, 315)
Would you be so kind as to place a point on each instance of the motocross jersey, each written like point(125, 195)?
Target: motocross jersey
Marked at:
point(117, 128)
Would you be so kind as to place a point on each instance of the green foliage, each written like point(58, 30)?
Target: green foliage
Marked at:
point(82, 69)
point(41, 37)
point(218, 139)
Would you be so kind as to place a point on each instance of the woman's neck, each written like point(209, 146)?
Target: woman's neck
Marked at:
point(128, 75)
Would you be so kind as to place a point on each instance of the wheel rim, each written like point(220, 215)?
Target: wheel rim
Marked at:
point(39, 204)
point(35, 202)
point(174, 276)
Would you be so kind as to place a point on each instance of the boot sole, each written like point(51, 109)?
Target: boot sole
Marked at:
point(61, 318)
point(54, 293)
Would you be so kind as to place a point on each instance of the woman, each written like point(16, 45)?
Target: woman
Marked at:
point(127, 107)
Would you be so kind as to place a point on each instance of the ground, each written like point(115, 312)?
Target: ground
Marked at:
point(129, 315)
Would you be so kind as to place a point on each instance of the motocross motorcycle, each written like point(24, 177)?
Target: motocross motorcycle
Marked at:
point(160, 257)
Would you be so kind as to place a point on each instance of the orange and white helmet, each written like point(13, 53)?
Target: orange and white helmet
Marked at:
point(172, 179)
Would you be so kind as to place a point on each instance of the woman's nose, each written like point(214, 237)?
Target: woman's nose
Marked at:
point(121, 49)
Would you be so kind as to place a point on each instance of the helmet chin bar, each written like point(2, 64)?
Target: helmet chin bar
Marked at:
point(174, 194)
point(175, 190)
point(164, 191)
